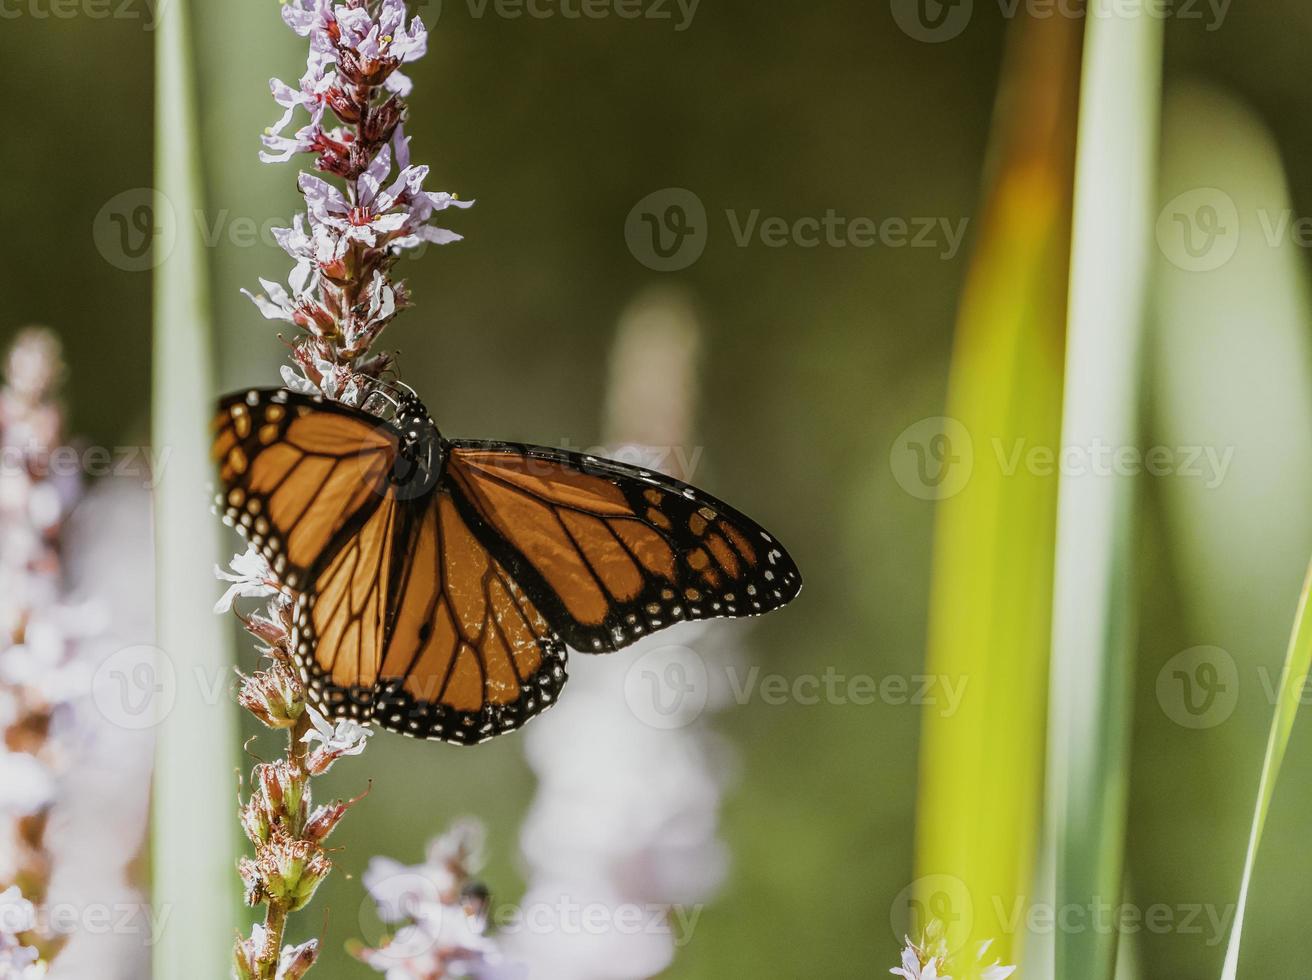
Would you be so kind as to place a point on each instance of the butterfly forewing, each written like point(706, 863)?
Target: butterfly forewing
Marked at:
point(299, 475)
point(611, 552)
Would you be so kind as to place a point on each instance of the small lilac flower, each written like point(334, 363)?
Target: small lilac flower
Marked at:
point(310, 18)
point(345, 738)
point(919, 965)
point(319, 377)
point(276, 304)
point(310, 95)
point(251, 578)
point(296, 960)
point(280, 149)
point(927, 960)
point(320, 248)
point(376, 47)
point(364, 222)
point(301, 246)
point(994, 971)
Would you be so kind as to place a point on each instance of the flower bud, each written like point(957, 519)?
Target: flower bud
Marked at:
point(273, 627)
point(382, 120)
point(292, 870)
point(245, 954)
point(297, 960)
point(345, 104)
point(274, 696)
point(283, 793)
point(255, 820)
point(325, 818)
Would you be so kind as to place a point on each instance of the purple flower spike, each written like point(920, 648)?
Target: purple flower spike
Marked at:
point(347, 242)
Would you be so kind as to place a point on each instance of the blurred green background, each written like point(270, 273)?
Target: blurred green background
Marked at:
point(815, 360)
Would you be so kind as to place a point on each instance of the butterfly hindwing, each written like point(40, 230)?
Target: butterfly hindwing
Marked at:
point(416, 627)
point(612, 552)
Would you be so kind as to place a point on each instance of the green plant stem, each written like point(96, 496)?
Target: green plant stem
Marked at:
point(275, 916)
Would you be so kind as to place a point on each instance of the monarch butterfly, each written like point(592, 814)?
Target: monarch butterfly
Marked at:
point(438, 582)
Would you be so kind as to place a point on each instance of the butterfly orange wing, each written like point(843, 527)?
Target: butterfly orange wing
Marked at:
point(299, 475)
point(402, 617)
point(463, 654)
point(611, 552)
point(446, 616)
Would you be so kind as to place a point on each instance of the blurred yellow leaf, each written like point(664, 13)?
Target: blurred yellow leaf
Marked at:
point(981, 776)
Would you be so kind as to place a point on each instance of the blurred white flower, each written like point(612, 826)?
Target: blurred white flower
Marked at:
point(17, 916)
point(38, 636)
point(26, 785)
point(630, 775)
point(81, 781)
point(442, 934)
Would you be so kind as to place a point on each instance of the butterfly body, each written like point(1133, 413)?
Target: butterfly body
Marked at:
point(438, 582)
point(421, 451)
